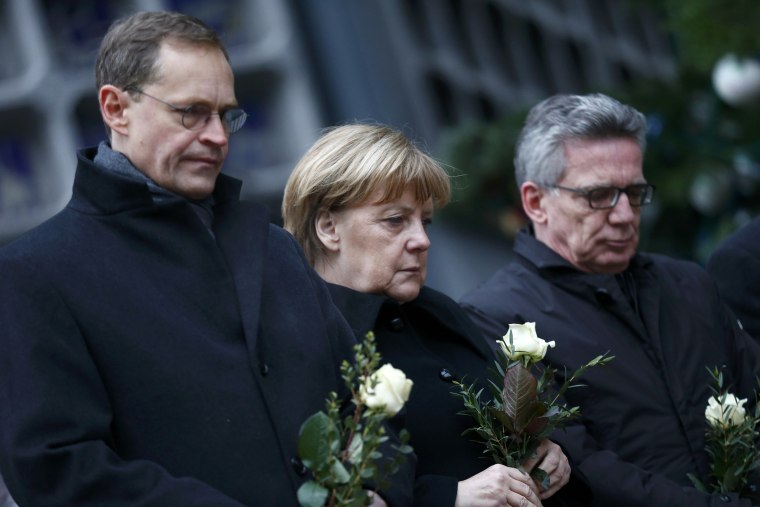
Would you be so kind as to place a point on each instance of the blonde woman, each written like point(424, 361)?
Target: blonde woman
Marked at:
point(359, 202)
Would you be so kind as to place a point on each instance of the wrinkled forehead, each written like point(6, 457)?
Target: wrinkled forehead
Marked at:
point(617, 161)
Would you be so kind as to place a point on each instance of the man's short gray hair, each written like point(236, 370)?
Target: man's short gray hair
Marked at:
point(539, 153)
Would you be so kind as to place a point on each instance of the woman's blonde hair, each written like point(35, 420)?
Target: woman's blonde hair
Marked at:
point(345, 166)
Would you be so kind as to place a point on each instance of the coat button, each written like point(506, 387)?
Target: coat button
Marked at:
point(446, 375)
point(298, 466)
point(397, 324)
point(264, 369)
point(603, 297)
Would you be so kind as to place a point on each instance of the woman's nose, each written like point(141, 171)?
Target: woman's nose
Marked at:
point(419, 239)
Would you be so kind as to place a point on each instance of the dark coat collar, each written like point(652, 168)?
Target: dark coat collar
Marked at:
point(241, 228)
point(100, 191)
point(543, 257)
point(603, 289)
point(361, 311)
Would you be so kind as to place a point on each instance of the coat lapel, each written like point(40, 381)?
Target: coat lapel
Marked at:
point(242, 232)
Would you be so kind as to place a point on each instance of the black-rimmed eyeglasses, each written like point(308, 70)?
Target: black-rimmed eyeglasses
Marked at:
point(197, 116)
point(607, 197)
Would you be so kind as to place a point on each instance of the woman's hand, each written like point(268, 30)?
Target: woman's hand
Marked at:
point(550, 458)
point(498, 486)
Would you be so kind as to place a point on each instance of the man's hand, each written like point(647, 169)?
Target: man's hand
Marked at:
point(498, 486)
point(550, 458)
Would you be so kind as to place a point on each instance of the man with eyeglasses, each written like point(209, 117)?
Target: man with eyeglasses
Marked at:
point(161, 342)
point(576, 273)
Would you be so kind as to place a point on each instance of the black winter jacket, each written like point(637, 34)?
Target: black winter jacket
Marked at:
point(643, 423)
point(145, 363)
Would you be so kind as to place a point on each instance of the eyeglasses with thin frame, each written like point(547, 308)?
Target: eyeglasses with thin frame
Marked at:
point(197, 116)
point(639, 194)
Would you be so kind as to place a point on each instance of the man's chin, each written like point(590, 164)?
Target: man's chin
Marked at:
point(614, 266)
point(197, 190)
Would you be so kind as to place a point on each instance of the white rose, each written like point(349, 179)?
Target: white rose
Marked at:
point(390, 391)
point(730, 413)
point(525, 342)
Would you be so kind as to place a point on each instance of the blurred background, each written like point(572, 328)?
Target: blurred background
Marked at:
point(456, 75)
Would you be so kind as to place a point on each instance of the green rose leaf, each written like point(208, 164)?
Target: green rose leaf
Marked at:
point(314, 440)
point(311, 494)
point(339, 473)
point(403, 449)
point(355, 449)
point(360, 500)
point(503, 418)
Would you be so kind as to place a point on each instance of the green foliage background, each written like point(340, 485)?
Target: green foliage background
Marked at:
point(703, 155)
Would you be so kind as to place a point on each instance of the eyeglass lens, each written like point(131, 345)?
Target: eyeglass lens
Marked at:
point(607, 197)
point(198, 115)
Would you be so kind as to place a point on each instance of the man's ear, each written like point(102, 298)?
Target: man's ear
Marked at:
point(113, 104)
point(327, 230)
point(533, 200)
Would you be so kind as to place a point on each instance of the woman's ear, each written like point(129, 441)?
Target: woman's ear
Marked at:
point(113, 104)
point(533, 197)
point(327, 230)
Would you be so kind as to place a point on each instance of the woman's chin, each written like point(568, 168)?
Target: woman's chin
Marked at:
point(404, 293)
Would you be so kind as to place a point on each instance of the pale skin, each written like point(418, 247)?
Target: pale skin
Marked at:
point(378, 248)
point(550, 458)
point(592, 240)
point(381, 248)
point(497, 486)
point(152, 136)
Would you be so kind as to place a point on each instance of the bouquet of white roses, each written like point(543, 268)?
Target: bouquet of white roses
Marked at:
point(524, 408)
point(343, 454)
point(731, 440)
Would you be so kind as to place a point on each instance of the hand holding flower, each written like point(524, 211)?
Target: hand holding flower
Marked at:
point(550, 458)
point(496, 484)
point(523, 409)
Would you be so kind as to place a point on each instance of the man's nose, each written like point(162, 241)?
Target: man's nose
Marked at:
point(622, 211)
point(214, 131)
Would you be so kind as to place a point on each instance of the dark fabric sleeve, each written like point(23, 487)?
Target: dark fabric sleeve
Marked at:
point(623, 484)
point(735, 270)
point(56, 447)
point(435, 491)
point(491, 328)
point(746, 353)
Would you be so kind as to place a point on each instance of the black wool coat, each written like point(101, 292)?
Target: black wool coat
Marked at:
point(642, 425)
point(434, 342)
point(146, 363)
point(735, 267)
